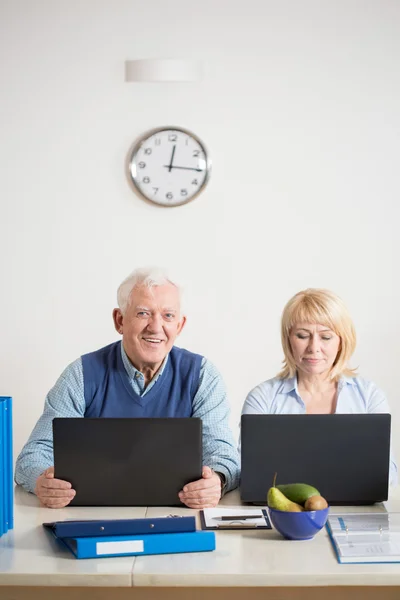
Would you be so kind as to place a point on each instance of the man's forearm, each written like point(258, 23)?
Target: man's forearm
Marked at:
point(30, 464)
point(227, 465)
point(65, 399)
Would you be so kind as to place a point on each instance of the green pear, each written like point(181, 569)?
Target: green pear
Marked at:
point(277, 500)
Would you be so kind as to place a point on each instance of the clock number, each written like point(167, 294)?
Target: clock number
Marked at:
point(147, 150)
point(155, 190)
point(172, 137)
point(157, 142)
point(196, 153)
point(142, 165)
point(195, 182)
point(169, 195)
point(184, 192)
point(146, 179)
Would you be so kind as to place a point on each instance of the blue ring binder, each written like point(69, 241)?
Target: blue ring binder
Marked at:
point(6, 466)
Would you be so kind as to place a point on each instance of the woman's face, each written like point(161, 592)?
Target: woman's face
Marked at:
point(314, 348)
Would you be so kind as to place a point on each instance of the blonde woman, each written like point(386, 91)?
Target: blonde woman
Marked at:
point(318, 340)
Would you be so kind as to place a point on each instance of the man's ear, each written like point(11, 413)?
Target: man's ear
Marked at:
point(118, 320)
point(181, 325)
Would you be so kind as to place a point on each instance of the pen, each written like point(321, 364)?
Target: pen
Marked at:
point(237, 518)
point(240, 526)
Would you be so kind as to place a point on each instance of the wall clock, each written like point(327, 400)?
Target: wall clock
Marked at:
point(169, 166)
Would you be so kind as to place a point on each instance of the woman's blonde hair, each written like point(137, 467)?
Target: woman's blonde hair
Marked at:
point(325, 308)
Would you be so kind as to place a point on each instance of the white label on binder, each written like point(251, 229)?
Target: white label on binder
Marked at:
point(119, 547)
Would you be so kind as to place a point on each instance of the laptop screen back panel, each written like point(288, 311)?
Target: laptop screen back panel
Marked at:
point(346, 457)
point(128, 462)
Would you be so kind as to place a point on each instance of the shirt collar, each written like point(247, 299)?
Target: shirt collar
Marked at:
point(132, 371)
point(346, 380)
point(290, 383)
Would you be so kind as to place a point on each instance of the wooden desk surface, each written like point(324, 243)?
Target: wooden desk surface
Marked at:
point(33, 565)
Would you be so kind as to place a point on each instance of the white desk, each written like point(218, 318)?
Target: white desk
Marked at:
point(33, 565)
point(31, 556)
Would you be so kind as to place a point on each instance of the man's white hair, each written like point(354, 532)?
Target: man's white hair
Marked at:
point(147, 276)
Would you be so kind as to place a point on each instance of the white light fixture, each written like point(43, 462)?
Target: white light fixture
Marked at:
point(153, 70)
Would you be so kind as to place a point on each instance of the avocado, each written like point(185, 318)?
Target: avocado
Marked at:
point(298, 492)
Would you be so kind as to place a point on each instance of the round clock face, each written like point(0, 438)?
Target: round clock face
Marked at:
point(169, 166)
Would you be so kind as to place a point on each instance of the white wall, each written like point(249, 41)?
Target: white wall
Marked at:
point(300, 111)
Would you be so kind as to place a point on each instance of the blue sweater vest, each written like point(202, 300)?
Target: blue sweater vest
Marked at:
point(108, 392)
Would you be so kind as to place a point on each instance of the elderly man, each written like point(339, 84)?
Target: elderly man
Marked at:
point(113, 381)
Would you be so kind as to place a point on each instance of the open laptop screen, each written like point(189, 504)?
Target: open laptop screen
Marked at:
point(346, 456)
point(127, 462)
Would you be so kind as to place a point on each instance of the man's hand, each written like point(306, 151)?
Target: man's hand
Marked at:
point(204, 493)
point(53, 493)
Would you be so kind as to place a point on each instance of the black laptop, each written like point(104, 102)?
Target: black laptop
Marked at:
point(127, 462)
point(346, 457)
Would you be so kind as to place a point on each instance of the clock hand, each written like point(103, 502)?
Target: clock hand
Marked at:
point(172, 159)
point(169, 167)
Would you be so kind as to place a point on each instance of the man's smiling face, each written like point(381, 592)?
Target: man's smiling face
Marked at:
point(150, 324)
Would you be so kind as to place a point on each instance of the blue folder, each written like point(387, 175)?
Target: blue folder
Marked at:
point(99, 528)
point(136, 545)
point(6, 466)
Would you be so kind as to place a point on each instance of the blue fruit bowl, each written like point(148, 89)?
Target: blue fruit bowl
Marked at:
point(298, 525)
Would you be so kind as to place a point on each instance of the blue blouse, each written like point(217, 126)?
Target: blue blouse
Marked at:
point(355, 395)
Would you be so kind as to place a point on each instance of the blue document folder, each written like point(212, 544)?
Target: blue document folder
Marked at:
point(103, 527)
point(360, 538)
point(136, 545)
point(6, 466)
